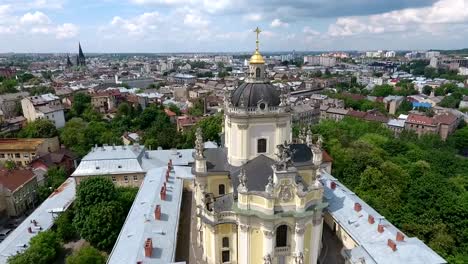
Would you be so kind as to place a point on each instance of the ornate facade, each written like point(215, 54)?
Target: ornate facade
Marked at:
point(257, 198)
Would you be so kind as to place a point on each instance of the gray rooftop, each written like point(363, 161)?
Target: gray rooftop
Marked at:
point(372, 245)
point(141, 223)
point(57, 202)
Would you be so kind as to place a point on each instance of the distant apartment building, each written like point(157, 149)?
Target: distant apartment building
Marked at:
point(18, 191)
point(23, 151)
point(120, 164)
point(432, 54)
point(10, 103)
point(374, 54)
point(180, 78)
point(392, 103)
point(105, 101)
point(7, 72)
point(325, 61)
point(226, 59)
point(442, 124)
point(46, 106)
point(306, 113)
point(451, 63)
point(390, 54)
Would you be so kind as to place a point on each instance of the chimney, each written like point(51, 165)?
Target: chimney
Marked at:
point(163, 193)
point(157, 212)
point(357, 207)
point(380, 228)
point(167, 175)
point(148, 248)
point(391, 244)
point(170, 162)
point(29, 230)
point(333, 185)
point(371, 219)
point(400, 236)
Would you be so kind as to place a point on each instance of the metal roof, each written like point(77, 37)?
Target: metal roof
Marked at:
point(141, 223)
point(372, 245)
point(58, 201)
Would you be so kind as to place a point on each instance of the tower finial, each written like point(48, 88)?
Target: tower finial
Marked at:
point(258, 31)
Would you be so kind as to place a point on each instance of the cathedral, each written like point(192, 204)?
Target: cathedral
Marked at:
point(80, 59)
point(258, 199)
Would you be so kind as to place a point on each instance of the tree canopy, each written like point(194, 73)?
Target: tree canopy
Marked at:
point(41, 128)
point(86, 255)
point(418, 184)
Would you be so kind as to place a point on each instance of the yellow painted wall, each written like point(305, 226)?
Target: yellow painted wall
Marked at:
point(256, 246)
point(308, 242)
point(215, 181)
point(208, 241)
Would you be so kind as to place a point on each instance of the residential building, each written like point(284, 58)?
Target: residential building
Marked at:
point(105, 101)
point(432, 54)
point(10, 104)
point(18, 189)
point(46, 106)
point(120, 164)
point(332, 113)
point(41, 219)
point(392, 103)
point(23, 151)
point(443, 124)
point(324, 61)
point(306, 113)
point(390, 54)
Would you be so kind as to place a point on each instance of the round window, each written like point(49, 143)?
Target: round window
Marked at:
point(262, 106)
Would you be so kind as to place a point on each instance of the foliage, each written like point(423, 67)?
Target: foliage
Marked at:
point(81, 101)
point(43, 249)
point(41, 128)
point(382, 90)
point(38, 90)
point(418, 184)
point(198, 108)
point(100, 211)
point(8, 86)
point(64, 225)
point(404, 107)
point(86, 255)
point(427, 90)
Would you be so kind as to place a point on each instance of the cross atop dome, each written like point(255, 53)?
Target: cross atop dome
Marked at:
point(257, 58)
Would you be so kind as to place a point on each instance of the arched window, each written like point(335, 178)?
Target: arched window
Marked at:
point(261, 145)
point(221, 189)
point(225, 242)
point(282, 236)
point(257, 73)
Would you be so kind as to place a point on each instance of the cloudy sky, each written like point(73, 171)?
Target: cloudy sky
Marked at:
point(227, 25)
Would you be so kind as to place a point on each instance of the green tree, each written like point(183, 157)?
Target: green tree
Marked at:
point(41, 128)
point(43, 249)
point(383, 90)
point(103, 223)
point(64, 226)
point(86, 255)
point(81, 101)
point(427, 90)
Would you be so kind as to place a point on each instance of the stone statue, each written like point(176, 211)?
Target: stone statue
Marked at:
point(299, 258)
point(269, 187)
point(267, 259)
point(309, 137)
point(284, 156)
point(199, 144)
point(320, 141)
point(242, 181)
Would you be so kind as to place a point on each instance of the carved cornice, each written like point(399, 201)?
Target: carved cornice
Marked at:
point(300, 229)
point(242, 126)
point(281, 125)
point(244, 228)
point(268, 233)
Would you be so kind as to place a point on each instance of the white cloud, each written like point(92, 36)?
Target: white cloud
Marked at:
point(278, 23)
point(35, 18)
point(195, 20)
point(440, 15)
point(66, 31)
point(255, 17)
point(309, 31)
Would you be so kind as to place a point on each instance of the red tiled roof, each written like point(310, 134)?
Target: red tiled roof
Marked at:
point(12, 179)
point(357, 114)
point(420, 119)
point(376, 116)
point(446, 118)
point(326, 157)
point(169, 112)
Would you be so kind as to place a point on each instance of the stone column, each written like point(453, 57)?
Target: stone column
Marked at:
point(243, 242)
point(316, 237)
point(268, 242)
point(299, 238)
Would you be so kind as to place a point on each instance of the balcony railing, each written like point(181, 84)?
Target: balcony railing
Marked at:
point(283, 251)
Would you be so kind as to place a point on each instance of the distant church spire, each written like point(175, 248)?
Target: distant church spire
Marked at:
point(69, 63)
point(80, 58)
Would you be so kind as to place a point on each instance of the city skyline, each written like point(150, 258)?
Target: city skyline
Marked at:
point(165, 26)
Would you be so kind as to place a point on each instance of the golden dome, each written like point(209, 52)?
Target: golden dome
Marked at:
point(257, 58)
